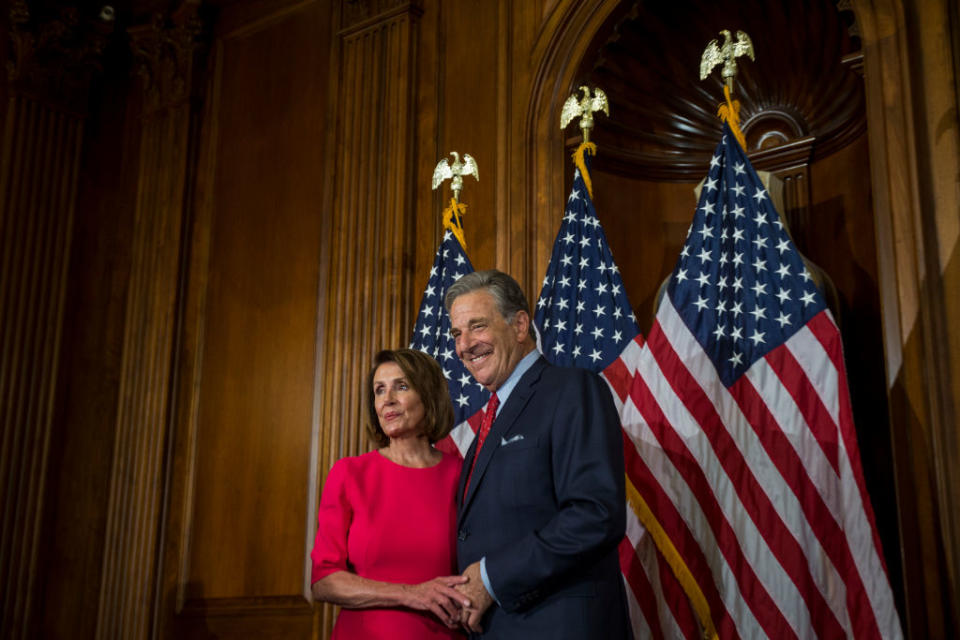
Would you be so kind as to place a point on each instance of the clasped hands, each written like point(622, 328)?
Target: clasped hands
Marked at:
point(455, 600)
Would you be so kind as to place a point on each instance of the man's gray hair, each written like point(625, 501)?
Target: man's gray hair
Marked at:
point(506, 293)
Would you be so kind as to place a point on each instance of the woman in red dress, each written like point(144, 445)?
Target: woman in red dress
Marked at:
point(385, 548)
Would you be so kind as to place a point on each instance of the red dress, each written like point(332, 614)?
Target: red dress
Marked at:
point(387, 522)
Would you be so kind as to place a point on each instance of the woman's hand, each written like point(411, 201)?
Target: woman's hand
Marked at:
point(437, 596)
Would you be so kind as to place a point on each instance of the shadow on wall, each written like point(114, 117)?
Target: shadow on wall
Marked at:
point(196, 613)
point(829, 244)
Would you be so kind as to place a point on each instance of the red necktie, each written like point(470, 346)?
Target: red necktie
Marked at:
point(488, 415)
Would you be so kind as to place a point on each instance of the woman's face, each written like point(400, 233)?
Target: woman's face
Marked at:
point(398, 405)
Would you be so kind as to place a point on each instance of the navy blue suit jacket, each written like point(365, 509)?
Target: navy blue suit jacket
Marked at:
point(546, 508)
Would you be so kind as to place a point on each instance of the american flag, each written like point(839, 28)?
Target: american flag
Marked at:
point(585, 320)
point(583, 315)
point(745, 447)
point(431, 335)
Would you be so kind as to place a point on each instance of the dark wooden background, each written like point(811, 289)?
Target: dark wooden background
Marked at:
point(213, 214)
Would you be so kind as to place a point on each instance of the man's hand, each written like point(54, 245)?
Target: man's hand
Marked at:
point(439, 597)
point(477, 594)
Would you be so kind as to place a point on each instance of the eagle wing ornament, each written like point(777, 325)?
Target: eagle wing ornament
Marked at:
point(726, 53)
point(743, 46)
point(599, 102)
point(571, 109)
point(711, 57)
point(456, 171)
point(584, 108)
point(441, 173)
point(470, 167)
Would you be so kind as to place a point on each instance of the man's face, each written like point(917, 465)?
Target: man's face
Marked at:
point(488, 345)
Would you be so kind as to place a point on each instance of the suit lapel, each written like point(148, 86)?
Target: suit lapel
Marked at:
point(503, 423)
point(464, 471)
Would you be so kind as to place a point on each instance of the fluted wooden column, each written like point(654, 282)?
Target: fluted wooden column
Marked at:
point(164, 51)
point(369, 294)
point(49, 72)
point(791, 163)
point(910, 69)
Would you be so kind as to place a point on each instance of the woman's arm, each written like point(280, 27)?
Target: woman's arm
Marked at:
point(333, 582)
point(353, 592)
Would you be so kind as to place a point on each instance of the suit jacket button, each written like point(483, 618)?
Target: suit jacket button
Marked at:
point(462, 535)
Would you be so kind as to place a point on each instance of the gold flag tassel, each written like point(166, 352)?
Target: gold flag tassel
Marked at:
point(729, 112)
point(669, 552)
point(453, 220)
point(580, 161)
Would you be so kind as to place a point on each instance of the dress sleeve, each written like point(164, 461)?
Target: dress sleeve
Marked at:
point(335, 514)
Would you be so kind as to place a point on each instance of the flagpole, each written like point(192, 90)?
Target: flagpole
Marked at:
point(727, 54)
point(432, 327)
point(566, 342)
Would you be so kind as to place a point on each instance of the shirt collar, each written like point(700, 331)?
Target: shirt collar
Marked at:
point(504, 391)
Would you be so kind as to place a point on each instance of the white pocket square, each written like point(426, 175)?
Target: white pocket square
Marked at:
point(505, 441)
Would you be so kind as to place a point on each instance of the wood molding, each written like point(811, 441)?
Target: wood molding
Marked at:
point(245, 607)
point(54, 61)
point(370, 271)
point(50, 70)
point(180, 490)
point(557, 55)
point(784, 157)
point(791, 163)
point(900, 81)
point(136, 498)
point(164, 50)
point(38, 182)
point(357, 15)
point(663, 125)
point(191, 600)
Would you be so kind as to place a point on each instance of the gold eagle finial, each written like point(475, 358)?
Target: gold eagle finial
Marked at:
point(584, 108)
point(456, 170)
point(726, 53)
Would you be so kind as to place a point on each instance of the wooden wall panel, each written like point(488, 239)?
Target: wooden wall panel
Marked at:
point(431, 145)
point(38, 172)
point(645, 223)
point(935, 69)
point(370, 291)
point(470, 120)
point(472, 66)
point(913, 130)
point(131, 541)
point(493, 78)
point(242, 470)
point(556, 49)
point(841, 216)
point(257, 366)
point(369, 294)
point(49, 69)
point(82, 435)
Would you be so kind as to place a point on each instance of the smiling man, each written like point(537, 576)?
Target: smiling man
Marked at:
point(541, 497)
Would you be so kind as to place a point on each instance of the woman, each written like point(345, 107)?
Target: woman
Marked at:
point(385, 547)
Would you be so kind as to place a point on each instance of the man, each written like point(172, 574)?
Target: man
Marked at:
point(541, 496)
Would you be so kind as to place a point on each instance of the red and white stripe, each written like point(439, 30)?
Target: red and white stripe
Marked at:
point(461, 436)
point(759, 485)
point(658, 605)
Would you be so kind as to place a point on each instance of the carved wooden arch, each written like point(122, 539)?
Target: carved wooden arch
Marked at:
point(581, 33)
point(559, 48)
